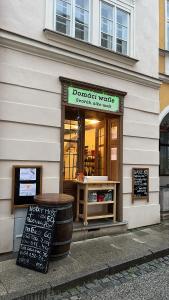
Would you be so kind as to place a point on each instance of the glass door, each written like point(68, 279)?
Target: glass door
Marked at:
point(70, 149)
point(114, 149)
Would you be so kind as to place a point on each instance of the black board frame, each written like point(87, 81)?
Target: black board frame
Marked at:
point(26, 251)
point(134, 196)
point(24, 201)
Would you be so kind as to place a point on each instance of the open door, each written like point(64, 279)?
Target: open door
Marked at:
point(72, 152)
point(91, 146)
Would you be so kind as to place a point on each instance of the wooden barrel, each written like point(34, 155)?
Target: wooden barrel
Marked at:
point(64, 221)
point(63, 231)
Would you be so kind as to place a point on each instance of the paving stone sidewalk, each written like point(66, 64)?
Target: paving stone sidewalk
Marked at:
point(91, 290)
point(88, 260)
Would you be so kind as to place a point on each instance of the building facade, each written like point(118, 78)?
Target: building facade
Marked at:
point(53, 50)
point(164, 105)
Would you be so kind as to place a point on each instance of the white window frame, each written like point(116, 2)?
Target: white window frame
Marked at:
point(94, 35)
point(126, 8)
point(72, 20)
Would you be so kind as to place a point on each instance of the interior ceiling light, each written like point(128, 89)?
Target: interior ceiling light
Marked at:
point(93, 121)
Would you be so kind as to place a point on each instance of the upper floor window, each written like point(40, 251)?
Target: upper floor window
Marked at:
point(72, 18)
point(114, 28)
point(105, 23)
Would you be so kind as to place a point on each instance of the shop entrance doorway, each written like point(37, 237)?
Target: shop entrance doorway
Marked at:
point(91, 146)
point(164, 167)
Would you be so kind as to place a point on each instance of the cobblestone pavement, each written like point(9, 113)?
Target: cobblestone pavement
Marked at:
point(147, 281)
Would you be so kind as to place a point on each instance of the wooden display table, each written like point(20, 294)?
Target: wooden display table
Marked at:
point(95, 186)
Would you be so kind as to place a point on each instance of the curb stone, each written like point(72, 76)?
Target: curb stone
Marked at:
point(42, 292)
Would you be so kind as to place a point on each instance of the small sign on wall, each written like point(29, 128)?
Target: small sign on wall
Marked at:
point(27, 183)
point(140, 184)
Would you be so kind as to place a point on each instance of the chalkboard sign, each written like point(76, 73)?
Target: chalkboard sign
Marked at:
point(140, 184)
point(37, 237)
point(26, 184)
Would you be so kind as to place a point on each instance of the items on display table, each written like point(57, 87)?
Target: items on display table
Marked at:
point(100, 196)
point(96, 194)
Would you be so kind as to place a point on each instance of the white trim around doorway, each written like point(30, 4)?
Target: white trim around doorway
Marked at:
point(163, 113)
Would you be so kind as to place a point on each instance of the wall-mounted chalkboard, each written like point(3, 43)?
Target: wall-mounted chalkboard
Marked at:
point(140, 184)
point(27, 182)
point(37, 238)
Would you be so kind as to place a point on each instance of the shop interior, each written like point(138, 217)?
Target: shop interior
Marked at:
point(91, 149)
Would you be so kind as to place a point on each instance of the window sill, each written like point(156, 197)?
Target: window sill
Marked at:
point(87, 49)
point(163, 52)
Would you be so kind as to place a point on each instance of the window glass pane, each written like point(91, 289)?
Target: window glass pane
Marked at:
point(82, 16)
point(70, 148)
point(107, 26)
point(63, 9)
point(62, 25)
point(83, 3)
point(107, 11)
point(122, 32)
point(122, 17)
point(81, 34)
point(121, 46)
point(63, 12)
point(81, 19)
point(107, 41)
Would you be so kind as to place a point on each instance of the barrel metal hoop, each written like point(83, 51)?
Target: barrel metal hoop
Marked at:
point(64, 207)
point(65, 221)
point(58, 206)
point(55, 256)
point(61, 243)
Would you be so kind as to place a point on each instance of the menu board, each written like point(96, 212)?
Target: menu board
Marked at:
point(37, 237)
point(140, 184)
point(26, 184)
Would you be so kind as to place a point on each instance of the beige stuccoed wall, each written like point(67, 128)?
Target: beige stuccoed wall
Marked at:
point(30, 113)
point(30, 17)
point(30, 106)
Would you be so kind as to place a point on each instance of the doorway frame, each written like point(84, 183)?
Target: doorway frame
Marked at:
point(65, 83)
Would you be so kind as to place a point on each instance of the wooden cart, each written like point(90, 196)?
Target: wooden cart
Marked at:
point(96, 186)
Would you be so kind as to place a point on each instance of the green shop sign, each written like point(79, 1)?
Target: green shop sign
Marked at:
point(91, 99)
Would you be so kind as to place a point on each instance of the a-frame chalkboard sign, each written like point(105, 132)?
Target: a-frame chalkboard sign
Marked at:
point(37, 238)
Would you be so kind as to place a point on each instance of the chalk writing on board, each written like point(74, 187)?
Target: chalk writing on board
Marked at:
point(37, 237)
point(140, 179)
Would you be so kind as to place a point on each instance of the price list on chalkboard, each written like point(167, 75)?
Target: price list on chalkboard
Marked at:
point(37, 238)
point(140, 184)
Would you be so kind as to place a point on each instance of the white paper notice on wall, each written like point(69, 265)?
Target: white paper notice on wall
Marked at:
point(114, 132)
point(27, 189)
point(113, 153)
point(27, 174)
